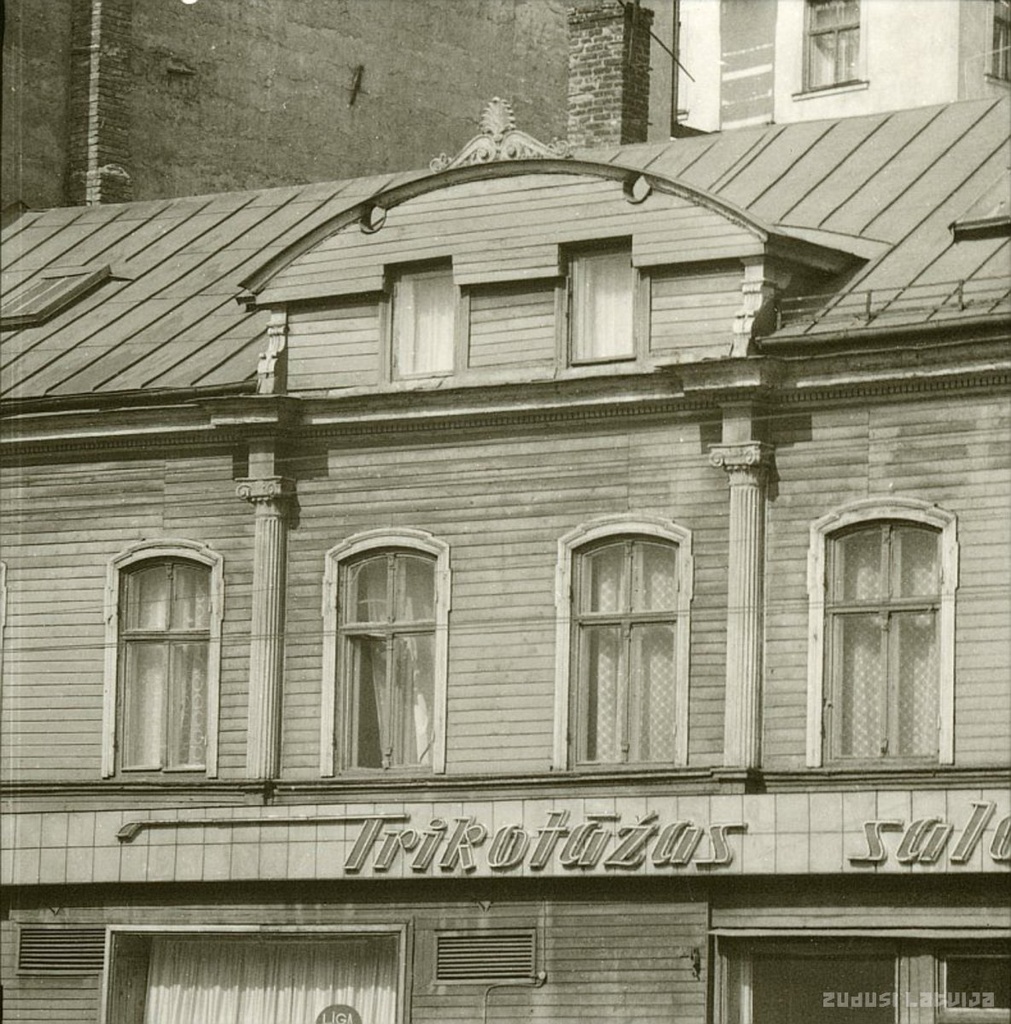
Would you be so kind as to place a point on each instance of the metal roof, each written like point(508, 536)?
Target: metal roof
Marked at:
point(166, 316)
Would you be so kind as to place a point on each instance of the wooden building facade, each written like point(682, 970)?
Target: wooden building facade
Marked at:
point(551, 587)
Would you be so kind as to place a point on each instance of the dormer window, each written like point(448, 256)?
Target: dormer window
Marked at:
point(602, 298)
point(424, 322)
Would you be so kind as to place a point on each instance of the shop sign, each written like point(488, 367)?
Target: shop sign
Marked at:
point(339, 1014)
point(599, 840)
point(927, 840)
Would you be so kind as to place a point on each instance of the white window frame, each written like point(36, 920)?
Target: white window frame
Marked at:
point(569, 547)
point(639, 298)
point(154, 551)
point(395, 275)
point(336, 557)
point(867, 511)
point(400, 931)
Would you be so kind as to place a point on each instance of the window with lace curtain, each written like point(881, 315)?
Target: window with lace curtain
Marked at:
point(164, 637)
point(883, 627)
point(166, 622)
point(389, 594)
point(627, 645)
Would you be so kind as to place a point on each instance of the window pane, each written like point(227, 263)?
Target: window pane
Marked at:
point(604, 580)
point(653, 677)
point(655, 577)
point(366, 590)
point(914, 557)
point(848, 49)
point(794, 990)
point(857, 571)
point(602, 306)
point(821, 61)
point(916, 635)
point(969, 980)
point(145, 678)
point(834, 13)
point(860, 682)
point(147, 598)
point(187, 705)
point(190, 597)
point(601, 714)
point(423, 318)
point(411, 732)
point(368, 687)
point(415, 588)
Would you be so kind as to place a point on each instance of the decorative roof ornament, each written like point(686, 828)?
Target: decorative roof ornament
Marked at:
point(500, 139)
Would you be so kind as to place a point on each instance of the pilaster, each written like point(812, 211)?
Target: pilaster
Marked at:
point(747, 466)
point(270, 497)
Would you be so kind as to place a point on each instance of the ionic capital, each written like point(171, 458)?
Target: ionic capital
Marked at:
point(752, 458)
point(271, 491)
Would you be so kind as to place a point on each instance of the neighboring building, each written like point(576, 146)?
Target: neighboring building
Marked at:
point(755, 62)
point(111, 100)
point(106, 100)
point(548, 587)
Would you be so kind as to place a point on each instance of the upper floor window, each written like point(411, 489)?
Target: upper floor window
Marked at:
point(388, 658)
point(424, 322)
point(885, 634)
point(602, 301)
point(1000, 56)
point(625, 694)
point(833, 43)
point(163, 646)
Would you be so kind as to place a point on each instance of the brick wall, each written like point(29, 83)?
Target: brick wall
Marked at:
point(98, 153)
point(609, 47)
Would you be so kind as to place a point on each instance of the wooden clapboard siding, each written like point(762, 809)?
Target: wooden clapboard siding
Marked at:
point(63, 525)
point(512, 326)
point(692, 311)
point(522, 219)
point(945, 452)
point(605, 955)
point(43, 999)
point(332, 347)
point(899, 903)
point(501, 501)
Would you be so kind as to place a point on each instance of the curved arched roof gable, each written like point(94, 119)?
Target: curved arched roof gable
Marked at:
point(516, 212)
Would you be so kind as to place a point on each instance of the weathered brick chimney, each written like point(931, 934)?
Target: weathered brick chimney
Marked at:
point(99, 153)
point(608, 72)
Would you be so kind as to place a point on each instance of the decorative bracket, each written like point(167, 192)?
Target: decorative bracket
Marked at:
point(271, 369)
point(500, 139)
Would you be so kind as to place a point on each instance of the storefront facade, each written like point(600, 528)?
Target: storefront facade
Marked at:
point(535, 600)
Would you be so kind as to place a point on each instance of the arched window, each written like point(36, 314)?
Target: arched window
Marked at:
point(624, 593)
point(882, 583)
point(386, 602)
point(163, 637)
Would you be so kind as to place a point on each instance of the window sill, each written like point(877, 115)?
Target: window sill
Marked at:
point(830, 90)
point(1004, 83)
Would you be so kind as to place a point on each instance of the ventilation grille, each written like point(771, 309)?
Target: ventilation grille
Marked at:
point(61, 950)
point(484, 956)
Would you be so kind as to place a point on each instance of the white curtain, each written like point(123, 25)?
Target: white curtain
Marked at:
point(253, 981)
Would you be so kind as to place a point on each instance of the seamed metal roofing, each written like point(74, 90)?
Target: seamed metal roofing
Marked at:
point(165, 317)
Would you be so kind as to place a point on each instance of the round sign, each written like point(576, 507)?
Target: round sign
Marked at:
point(339, 1014)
